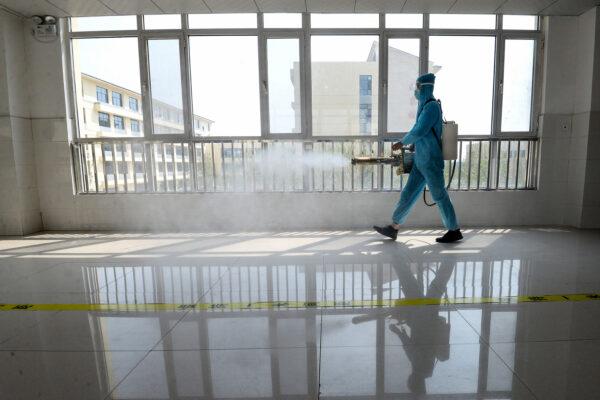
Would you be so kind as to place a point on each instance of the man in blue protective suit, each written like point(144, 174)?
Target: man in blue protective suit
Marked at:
point(428, 168)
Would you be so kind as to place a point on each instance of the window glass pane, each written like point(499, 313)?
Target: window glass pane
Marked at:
point(168, 21)
point(133, 104)
point(225, 87)
point(404, 20)
point(344, 85)
point(101, 94)
point(523, 22)
point(518, 85)
point(165, 85)
point(464, 66)
point(104, 120)
point(119, 123)
point(462, 21)
point(117, 99)
point(135, 126)
point(96, 74)
point(282, 20)
point(344, 20)
point(284, 85)
point(221, 21)
point(120, 23)
point(403, 70)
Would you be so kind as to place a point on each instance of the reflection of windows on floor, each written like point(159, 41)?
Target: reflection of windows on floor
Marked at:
point(335, 282)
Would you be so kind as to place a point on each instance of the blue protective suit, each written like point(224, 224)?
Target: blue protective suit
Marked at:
point(428, 165)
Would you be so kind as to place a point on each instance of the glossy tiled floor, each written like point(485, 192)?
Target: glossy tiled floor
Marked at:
point(477, 351)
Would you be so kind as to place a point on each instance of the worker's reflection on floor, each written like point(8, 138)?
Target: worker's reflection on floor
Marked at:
point(414, 326)
point(424, 325)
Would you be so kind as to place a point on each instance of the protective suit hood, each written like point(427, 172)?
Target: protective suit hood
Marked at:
point(426, 91)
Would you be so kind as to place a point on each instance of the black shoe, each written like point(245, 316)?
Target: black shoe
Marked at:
point(388, 231)
point(450, 237)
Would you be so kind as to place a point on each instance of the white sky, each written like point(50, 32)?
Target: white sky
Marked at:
point(226, 88)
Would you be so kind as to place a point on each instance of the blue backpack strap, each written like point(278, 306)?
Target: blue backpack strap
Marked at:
point(432, 128)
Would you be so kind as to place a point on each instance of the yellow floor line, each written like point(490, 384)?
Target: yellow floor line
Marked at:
point(287, 305)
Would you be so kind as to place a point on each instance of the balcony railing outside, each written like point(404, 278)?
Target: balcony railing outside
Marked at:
point(137, 166)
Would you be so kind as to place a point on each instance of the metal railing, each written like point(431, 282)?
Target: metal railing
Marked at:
point(254, 165)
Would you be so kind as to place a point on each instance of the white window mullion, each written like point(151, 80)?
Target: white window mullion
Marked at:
point(424, 52)
point(145, 79)
point(498, 78)
point(306, 78)
point(383, 79)
point(186, 80)
point(263, 78)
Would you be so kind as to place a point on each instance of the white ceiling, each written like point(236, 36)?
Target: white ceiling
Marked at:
point(116, 7)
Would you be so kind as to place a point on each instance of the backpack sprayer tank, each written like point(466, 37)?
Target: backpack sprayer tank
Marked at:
point(449, 140)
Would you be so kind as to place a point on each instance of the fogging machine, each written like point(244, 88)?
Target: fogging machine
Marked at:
point(405, 158)
point(402, 160)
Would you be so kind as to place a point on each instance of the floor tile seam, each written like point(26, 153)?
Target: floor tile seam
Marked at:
point(491, 343)
point(132, 272)
point(109, 395)
point(195, 301)
point(331, 258)
point(108, 282)
point(22, 328)
point(37, 292)
point(320, 338)
point(497, 355)
point(162, 338)
point(514, 373)
point(374, 346)
point(481, 338)
point(174, 350)
point(73, 351)
point(22, 278)
point(153, 349)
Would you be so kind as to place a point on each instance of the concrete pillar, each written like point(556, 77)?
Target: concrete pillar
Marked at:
point(590, 120)
point(19, 201)
point(570, 163)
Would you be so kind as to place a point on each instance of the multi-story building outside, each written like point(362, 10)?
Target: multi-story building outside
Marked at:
point(344, 94)
point(344, 98)
point(106, 109)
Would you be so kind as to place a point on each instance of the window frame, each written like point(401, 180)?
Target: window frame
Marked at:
point(536, 95)
point(137, 104)
point(304, 34)
point(119, 118)
point(105, 91)
point(399, 33)
point(120, 97)
point(131, 124)
point(185, 87)
point(100, 114)
point(280, 33)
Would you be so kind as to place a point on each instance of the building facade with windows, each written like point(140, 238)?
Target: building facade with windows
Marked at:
point(109, 110)
point(345, 94)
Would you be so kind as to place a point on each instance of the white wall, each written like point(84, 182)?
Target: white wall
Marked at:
point(590, 120)
point(550, 205)
point(19, 202)
point(571, 119)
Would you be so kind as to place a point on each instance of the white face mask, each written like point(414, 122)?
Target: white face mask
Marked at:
point(418, 86)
